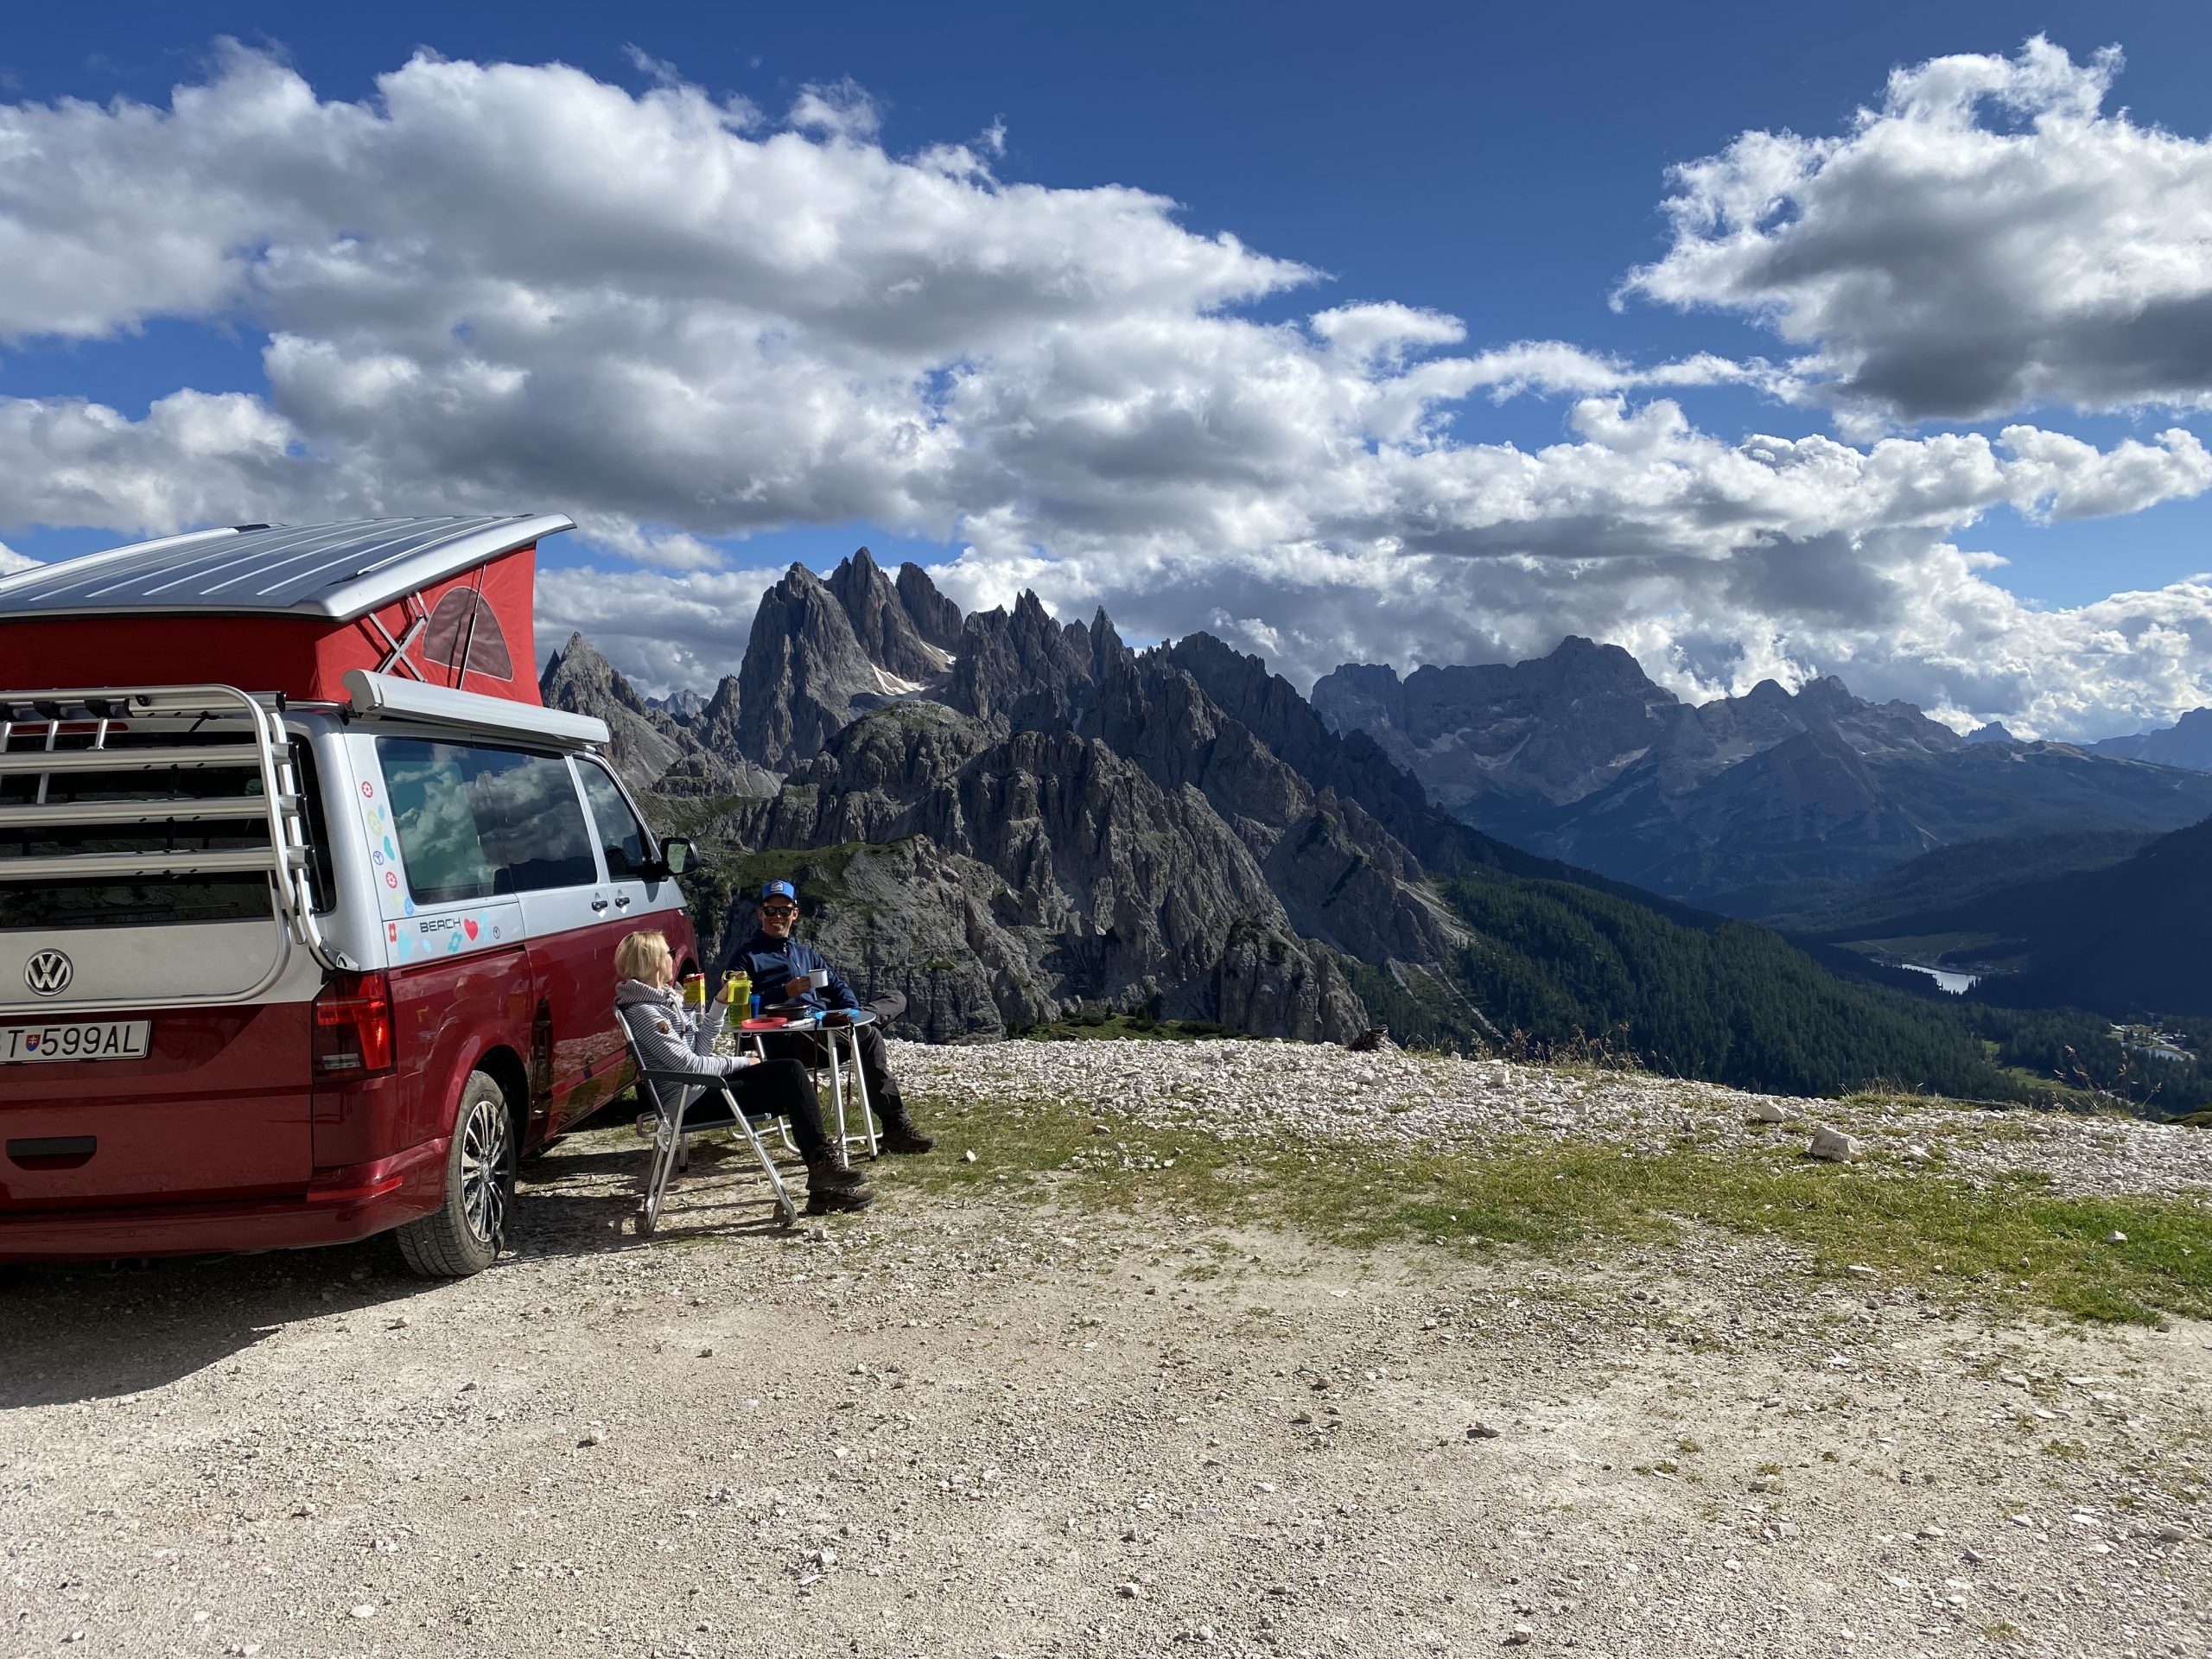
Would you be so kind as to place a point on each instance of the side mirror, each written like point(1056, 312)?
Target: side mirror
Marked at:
point(676, 855)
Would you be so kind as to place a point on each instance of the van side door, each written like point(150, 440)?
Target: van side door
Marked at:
point(626, 849)
point(545, 845)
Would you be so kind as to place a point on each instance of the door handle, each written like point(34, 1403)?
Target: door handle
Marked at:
point(622, 901)
point(599, 904)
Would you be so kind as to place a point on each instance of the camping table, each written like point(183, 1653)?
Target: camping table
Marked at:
point(842, 1044)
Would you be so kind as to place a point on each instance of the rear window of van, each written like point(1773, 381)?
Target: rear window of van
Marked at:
point(476, 823)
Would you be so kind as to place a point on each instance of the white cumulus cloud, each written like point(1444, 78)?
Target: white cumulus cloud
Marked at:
point(1989, 236)
point(500, 286)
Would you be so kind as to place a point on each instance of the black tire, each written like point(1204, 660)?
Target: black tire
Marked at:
point(463, 1235)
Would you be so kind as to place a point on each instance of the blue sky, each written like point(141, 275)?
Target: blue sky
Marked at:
point(1507, 168)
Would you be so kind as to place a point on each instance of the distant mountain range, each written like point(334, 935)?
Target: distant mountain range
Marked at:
point(1754, 806)
point(2187, 743)
point(1013, 820)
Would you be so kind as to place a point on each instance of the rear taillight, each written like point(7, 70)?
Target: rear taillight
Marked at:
point(352, 1027)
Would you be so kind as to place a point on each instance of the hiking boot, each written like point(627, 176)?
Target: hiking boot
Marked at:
point(899, 1135)
point(823, 1201)
point(828, 1175)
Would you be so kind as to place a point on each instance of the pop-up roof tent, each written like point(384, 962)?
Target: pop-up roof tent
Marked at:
point(444, 600)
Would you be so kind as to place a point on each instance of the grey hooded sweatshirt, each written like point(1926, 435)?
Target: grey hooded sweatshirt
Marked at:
point(668, 1037)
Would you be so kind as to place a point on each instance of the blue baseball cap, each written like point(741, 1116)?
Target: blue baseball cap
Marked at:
point(779, 890)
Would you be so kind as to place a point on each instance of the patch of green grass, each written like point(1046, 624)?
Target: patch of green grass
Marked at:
point(684, 815)
point(2011, 1245)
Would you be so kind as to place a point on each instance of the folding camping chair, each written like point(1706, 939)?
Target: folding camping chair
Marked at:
point(699, 1105)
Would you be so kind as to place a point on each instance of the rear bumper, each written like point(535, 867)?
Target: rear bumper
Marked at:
point(340, 1206)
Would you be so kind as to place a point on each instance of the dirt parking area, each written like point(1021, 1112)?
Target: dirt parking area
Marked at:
point(975, 1425)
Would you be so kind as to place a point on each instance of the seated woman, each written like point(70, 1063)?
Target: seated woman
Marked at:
point(668, 1037)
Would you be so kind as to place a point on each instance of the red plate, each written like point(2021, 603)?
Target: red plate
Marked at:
point(770, 1023)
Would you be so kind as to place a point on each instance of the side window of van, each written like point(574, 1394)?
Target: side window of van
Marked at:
point(621, 834)
point(475, 822)
point(439, 835)
point(540, 837)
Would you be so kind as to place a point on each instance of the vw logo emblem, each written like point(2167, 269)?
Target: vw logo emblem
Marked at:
point(49, 973)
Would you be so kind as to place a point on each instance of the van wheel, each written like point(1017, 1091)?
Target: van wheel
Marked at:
point(463, 1235)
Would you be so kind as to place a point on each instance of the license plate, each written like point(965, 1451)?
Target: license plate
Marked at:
point(103, 1039)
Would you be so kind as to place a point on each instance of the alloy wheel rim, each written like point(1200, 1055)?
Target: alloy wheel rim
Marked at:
point(484, 1145)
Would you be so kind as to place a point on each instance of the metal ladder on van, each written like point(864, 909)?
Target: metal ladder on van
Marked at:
point(263, 750)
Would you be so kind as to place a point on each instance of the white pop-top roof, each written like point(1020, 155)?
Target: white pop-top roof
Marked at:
point(337, 571)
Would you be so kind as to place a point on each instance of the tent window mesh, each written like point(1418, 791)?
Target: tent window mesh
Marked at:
point(462, 621)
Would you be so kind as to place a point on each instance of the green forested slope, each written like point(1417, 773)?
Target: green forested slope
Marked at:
point(1953, 876)
point(1731, 1001)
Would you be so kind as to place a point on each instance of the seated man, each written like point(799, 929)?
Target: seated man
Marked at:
point(779, 965)
point(668, 1036)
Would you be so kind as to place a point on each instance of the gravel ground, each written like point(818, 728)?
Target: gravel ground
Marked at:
point(951, 1428)
point(1269, 1090)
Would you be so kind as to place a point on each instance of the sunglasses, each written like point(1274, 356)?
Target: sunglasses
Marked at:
point(779, 910)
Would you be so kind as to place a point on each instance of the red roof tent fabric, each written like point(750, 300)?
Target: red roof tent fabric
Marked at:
point(303, 657)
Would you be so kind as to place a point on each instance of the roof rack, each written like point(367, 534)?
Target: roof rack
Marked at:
point(336, 571)
point(262, 751)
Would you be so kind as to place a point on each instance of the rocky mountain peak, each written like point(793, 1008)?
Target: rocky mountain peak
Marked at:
point(1021, 661)
point(1589, 660)
point(1535, 734)
point(649, 749)
point(823, 652)
point(1106, 647)
point(576, 676)
point(2187, 743)
point(881, 621)
point(935, 618)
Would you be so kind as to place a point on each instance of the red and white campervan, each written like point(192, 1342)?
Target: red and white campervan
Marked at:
point(308, 905)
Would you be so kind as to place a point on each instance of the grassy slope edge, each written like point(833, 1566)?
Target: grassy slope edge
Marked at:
point(2010, 1246)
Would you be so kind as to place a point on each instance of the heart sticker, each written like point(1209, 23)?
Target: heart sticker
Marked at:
point(469, 926)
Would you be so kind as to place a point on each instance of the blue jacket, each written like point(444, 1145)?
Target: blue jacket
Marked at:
point(772, 962)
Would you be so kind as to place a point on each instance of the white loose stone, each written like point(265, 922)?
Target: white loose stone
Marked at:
point(1836, 1146)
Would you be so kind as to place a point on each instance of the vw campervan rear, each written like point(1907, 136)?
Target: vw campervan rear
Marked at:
point(312, 938)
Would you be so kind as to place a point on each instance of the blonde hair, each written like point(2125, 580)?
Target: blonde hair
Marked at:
point(641, 953)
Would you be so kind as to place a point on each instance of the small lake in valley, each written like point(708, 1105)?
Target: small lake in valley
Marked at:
point(1956, 983)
